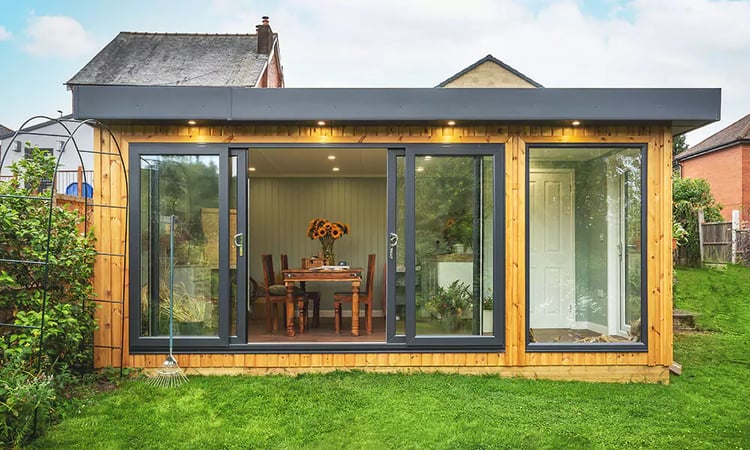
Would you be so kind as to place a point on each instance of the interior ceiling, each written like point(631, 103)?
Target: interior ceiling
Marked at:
point(314, 162)
point(567, 153)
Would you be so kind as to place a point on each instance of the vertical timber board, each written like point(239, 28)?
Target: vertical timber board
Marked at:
point(667, 352)
point(119, 266)
point(515, 291)
point(103, 245)
point(100, 353)
point(655, 240)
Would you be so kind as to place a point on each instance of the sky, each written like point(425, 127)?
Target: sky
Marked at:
point(402, 43)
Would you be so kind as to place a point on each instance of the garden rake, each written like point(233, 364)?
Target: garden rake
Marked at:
point(169, 374)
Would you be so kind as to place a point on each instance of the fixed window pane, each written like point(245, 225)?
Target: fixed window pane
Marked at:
point(585, 233)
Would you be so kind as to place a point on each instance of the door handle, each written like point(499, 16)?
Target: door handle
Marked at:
point(238, 242)
point(392, 243)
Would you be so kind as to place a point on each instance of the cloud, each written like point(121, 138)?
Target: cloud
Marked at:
point(638, 43)
point(57, 36)
point(5, 35)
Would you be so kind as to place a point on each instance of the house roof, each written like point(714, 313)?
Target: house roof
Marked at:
point(5, 130)
point(36, 125)
point(489, 58)
point(733, 134)
point(175, 59)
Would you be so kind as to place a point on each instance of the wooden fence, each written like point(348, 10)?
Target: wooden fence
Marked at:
point(722, 242)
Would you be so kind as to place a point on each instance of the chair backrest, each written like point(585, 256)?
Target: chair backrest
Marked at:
point(268, 276)
point(370, 275)
point(284, 262)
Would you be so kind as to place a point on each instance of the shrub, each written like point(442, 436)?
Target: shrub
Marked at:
point(689, 195)
point(24, 394)
point(24, 236)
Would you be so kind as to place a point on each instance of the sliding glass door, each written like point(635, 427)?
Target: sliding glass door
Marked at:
point(189, 233)
point(445, 245)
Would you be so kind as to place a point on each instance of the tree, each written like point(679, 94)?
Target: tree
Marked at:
point(679, 145)
point(689, 195)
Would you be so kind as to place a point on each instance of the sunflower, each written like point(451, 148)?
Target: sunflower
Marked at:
point(323, 229)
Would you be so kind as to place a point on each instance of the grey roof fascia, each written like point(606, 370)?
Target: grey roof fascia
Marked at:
point(395, 104)
point(152, 102)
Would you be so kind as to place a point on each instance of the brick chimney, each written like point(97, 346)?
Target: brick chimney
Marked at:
point(265, 37)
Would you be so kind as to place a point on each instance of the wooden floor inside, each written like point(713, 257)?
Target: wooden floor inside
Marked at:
point(324, 333)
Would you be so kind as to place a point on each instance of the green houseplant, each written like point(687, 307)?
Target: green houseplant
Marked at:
point(450, 304)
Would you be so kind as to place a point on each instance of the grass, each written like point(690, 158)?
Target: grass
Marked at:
point(704, 408)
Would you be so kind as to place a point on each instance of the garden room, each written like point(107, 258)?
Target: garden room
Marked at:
point(418, 226)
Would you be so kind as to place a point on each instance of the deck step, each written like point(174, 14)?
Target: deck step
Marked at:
point(683, 320)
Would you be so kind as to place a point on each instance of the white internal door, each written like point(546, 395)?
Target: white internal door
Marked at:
point(551, 252)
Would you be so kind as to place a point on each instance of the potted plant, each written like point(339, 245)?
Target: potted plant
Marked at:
point(487, 312)
point(450, 304)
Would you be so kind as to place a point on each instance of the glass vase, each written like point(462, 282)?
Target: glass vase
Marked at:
point(328, 253)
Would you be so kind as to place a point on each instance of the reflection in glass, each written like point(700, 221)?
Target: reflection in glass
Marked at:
point(185, 186)
point(399, 253)
point(453, 229)
point(585, 245)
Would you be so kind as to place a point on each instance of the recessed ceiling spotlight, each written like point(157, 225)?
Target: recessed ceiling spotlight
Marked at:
point(331, 157)
point(575, 123)
point(321, 122)
point(191, 122)
point(428, 157)
point(335, 169)
point(420, 169)
point(451, 123)
point(251, 169)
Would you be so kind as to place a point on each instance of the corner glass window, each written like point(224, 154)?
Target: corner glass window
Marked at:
point(586, 258)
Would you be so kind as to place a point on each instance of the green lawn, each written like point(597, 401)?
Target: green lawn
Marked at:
point(706, 407)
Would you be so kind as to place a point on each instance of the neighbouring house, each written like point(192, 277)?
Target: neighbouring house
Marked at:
point(515, 231)
point(723, 159)
point(489, 72)
point(54, 136)
point(3, 131)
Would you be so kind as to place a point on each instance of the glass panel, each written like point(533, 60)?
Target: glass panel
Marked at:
point(233, 194)
point(585, 245)
point(399, 252)
point(186, 186)
point(454, 249)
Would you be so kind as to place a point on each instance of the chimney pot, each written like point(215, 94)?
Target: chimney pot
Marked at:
point(265, 37)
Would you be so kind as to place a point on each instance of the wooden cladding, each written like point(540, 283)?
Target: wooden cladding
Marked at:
point(515, 360)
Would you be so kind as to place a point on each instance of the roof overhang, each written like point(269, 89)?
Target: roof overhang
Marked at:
point(685, 109)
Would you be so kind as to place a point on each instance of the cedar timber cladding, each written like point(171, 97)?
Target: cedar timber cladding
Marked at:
point(514, 360)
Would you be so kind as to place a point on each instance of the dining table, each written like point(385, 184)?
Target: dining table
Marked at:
point(324, 274)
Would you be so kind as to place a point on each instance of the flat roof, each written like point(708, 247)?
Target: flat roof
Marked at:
point(685, 109)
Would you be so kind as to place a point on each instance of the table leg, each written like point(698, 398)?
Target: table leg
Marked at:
point(289, 309)
point(355, 308)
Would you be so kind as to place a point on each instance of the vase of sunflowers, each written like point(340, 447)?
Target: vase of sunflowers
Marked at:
point(327, 233)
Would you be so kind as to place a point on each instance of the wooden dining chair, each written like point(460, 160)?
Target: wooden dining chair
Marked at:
point(365, 298)
point(313, 296)
point(275, 295)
